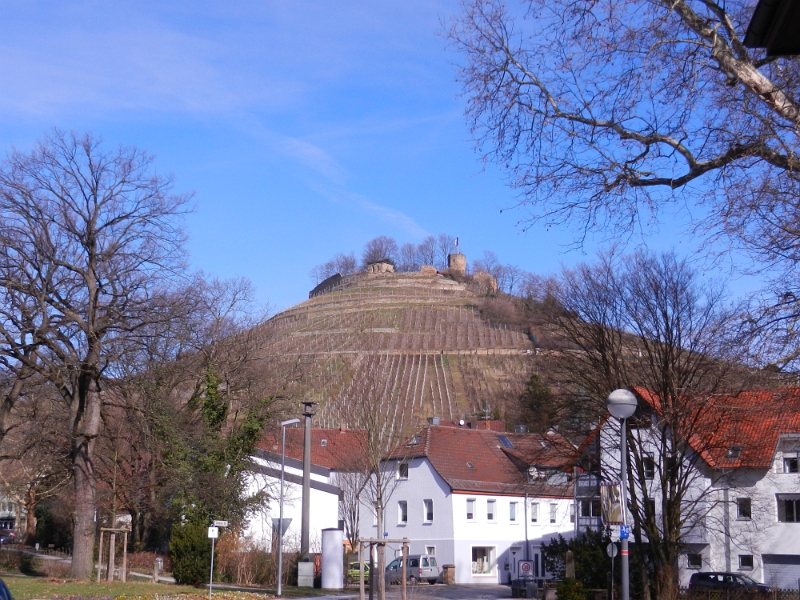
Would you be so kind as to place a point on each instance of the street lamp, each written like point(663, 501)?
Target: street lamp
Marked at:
point(280, 519)
point(622, 404)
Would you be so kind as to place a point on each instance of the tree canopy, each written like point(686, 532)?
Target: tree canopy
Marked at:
point(609, 115)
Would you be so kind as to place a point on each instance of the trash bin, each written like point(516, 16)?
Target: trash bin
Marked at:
point(449, 574)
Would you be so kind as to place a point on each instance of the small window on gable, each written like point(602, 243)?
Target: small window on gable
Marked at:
point(402, 470)
point(323, 442)
point(791, 464)
point(734, 452)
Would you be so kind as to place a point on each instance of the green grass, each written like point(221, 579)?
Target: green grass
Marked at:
point(28, 588)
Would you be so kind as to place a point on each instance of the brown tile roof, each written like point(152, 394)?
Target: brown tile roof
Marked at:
point(752, 420)
point(472, 460)
point(340, 452)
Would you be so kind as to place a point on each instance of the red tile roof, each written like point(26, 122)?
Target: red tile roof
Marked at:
point(752, 420)
point(340, 452)
point(472, 460)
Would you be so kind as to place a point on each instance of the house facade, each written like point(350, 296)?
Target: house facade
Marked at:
point(480, 499)
point(331, 451)
point(742, 509)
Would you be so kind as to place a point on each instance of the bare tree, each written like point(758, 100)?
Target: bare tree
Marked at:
point(426, 251)
point(89, 237)
point(408, 258)
point(444, 247)
point(344, 264)
point(603, 112)
point(378, 249)
point(648, 320)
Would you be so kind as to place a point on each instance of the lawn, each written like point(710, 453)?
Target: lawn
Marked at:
point(28, 588)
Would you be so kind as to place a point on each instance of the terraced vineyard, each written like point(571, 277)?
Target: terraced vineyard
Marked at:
point(416, 343)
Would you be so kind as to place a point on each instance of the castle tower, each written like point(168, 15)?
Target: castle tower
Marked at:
point(457, 263)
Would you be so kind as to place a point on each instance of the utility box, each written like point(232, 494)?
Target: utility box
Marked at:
point(449, 574)
point(305, 574)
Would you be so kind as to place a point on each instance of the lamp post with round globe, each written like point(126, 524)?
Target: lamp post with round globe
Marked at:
point(622, 404)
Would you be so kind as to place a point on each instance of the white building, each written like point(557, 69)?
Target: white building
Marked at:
point(330, 449)
point(479, 499)
point(745, 482)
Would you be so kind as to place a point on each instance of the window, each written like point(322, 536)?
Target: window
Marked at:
point(470, 465)
point(553, 512)
point(427, 509)
point(791, 464)
point(414, 441)
point(490, 507)
point(649, 466)
point(430, 550)
point(470, 509)
point(789, 509)
point(572, 513)
point(482, 560)
point(743, 508)
point(323, 443)
point(506, 443)
point(534, 512)
point(745, 561)
point(651, 506)
point(694, 561)
point(591, 508)
point(512, 512)
point(402, 470)
point(402, 512)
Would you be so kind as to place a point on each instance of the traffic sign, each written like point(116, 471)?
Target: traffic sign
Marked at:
point(213, 532)
point(526, 567)
point(220, 523)
point(624, 532)
point(612, 550)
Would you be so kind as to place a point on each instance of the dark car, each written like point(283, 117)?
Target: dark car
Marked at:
point(4, 593)
point(7, 536)
point(726, 581)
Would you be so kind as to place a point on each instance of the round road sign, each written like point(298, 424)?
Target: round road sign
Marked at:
point(612, 550)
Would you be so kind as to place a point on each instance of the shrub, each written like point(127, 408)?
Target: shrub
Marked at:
point(190, 550)
point(570, 589)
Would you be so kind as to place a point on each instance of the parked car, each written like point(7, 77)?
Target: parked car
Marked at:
point(726, 581)
point(353, 574)
point(7, 536)
point(420, 567)
point(4, 593)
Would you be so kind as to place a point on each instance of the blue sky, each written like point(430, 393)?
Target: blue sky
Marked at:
point(303, 128)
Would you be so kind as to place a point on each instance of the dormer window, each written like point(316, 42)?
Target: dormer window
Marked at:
point(734, 452)
point(415, 440)
point(535, 474)
point(791, 464)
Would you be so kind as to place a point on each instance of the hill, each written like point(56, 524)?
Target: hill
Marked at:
point(421, 343)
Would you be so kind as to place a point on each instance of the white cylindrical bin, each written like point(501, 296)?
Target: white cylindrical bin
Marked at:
point(332, 559)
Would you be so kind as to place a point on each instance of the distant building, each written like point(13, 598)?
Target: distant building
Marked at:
point(331, 451)
point(481, 499)
point(745, 476)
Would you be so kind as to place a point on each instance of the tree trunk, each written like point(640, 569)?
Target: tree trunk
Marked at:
point(86, 426)
point(30, 517)
point(381, 555)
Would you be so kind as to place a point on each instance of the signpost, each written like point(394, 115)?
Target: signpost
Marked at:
point(213, 534)
point(525, 568)
point(612, 551)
